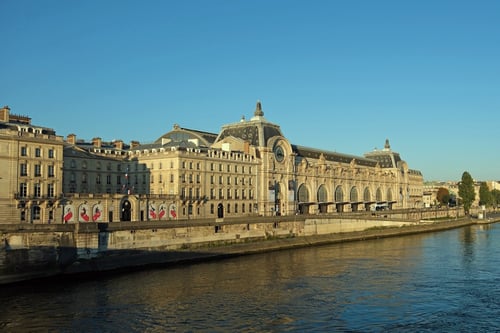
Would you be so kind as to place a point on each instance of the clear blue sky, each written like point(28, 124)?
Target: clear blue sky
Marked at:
point(335, 75)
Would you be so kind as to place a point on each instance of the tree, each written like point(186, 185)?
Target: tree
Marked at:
point(495, 194)
point(485, 196)
point(443, 195)
point(466, 191)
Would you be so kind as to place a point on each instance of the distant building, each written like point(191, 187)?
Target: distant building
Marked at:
point(431, 190)
point(493, 185)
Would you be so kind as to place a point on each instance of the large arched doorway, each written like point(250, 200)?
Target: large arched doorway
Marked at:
point(126, 209)
point(367, 198)
point(339, 199)
point(303, 198)
point(353, 197)
point(322, 199)
point(390, 201)
point(381, 203)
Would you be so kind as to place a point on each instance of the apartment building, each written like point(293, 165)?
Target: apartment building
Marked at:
point(31, 160)
point(249, 168)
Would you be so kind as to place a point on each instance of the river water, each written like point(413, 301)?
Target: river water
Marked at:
point(438, 282)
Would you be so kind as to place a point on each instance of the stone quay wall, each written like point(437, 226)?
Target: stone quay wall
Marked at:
point(30, 251)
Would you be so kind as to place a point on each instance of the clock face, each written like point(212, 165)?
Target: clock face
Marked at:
point(279, 154)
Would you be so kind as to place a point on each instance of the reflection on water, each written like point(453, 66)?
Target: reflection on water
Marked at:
point(443, 281)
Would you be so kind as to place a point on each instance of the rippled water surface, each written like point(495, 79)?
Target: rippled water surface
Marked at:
point(439, 282)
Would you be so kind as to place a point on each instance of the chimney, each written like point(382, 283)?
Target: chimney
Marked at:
point(134, 144)
point(118, 144)
point(4, 114)
point(97, 142)
point(71, 139)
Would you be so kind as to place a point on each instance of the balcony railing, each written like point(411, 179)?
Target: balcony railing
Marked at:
point(25, 197)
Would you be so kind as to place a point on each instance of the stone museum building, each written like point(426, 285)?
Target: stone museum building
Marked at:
point(249, 168)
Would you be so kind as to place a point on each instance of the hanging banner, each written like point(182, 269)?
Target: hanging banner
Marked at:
point(83, 213)
point(69, 215)
point(97, 213)
point(152, 212)
point(172, 211)
point(162, 212)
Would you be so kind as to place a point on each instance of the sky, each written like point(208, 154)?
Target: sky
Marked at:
point(336, 75)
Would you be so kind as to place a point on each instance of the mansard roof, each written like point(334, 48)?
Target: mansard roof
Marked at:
point(386, 157)
point(415, 172)
point(21, 123)
point(104, 146)
point(8, 126)
point(179, 134)
point(77, 151)
point(308, 152)
point(257, 131)
point(19, 126)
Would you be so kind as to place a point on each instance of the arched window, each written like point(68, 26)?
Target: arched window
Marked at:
point(366, 195)
point(353, 196)
point(389, 195)
point(322, 194)
point(303, 194)
point(339, 194)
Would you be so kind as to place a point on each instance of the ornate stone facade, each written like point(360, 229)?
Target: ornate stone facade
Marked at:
point(249, 168)
point(31, 159)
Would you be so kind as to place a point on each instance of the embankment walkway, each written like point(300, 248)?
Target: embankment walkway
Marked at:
point(142, 259)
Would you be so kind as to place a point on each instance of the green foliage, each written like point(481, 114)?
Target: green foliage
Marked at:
point(495, 198)
point(443, 195)
point(485, 196)
point(466, 191)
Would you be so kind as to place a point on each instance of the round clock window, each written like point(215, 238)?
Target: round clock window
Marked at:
point(279, 154)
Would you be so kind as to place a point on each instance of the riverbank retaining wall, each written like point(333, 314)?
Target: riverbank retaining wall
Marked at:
point(34, 251)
